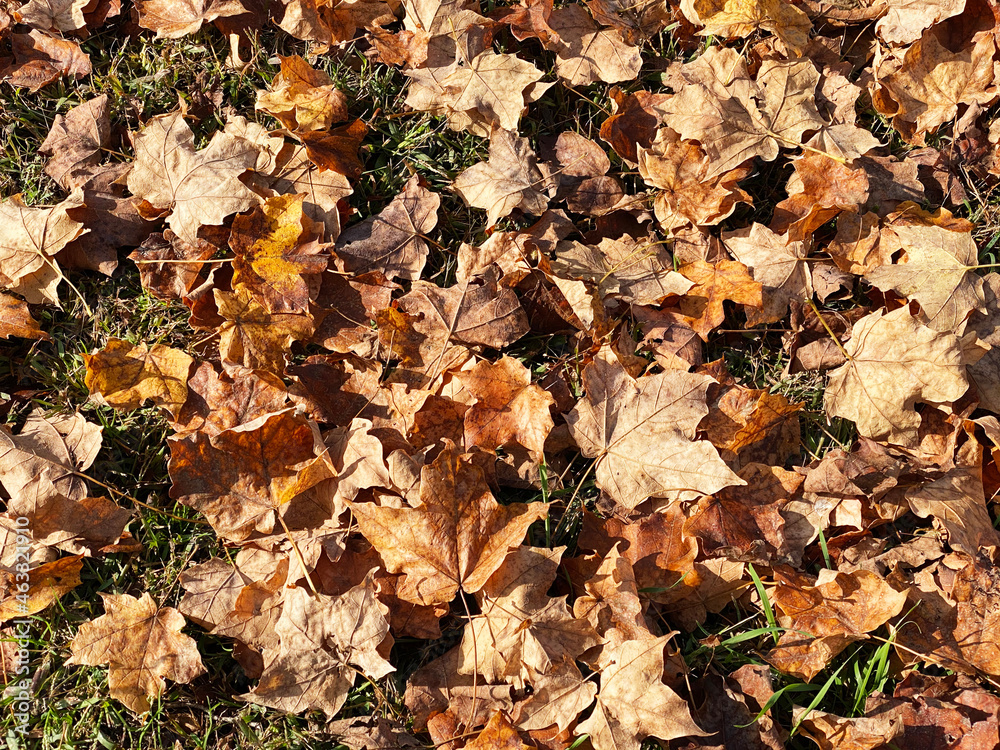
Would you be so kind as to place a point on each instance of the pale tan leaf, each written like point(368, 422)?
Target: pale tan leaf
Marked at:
point(642, 433)
point(894, 362)
point(588, 53)
point(143, 644)
point(198, 187)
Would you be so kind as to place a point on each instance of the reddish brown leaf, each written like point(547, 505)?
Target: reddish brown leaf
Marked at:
point(713, 285)
point(40, 58)
point(508, 407)
point(242, 477)
point(337, 149)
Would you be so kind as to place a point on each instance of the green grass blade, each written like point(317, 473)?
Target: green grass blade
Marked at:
point(762, 593)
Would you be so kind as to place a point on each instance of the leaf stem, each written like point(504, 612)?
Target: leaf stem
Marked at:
point(295, 549)
point(829, 330)
point(153, 508)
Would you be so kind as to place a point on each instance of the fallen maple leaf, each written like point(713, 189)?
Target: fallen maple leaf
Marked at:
point(197, 187)
point(510, 250)
point(721, 112)
point(893, 361)
point(933, 81)
point(217, 402)
point(831, 732)
point(243, 476)
point(213, 588)
point(437, 687)
point(58, 447)
point(856, 248)
point(920, 705)
point(529, 20)
point(125, 375)
point(679, 168)
point(277, 260)
point(16, 320)
point(446, 29)
point(241, 601)
point(291, 171)
point(587, 53)
point(498, 734)
point(488, 92)
point(986, 372)
point(938, 272)
point(635, 122)
point(820, 190)
point(637, 23)
point(633, 703)
point(633, 269)
point(558, 697)
point(432, 327)
point(121, 224)
point(714, 283)
point(46, 583)
point(641, 431)
point(172, 20)
point(957, 502)
point(53, 15)
point(748, 524)
point(337, 149)
point(740, 18)
point(75, 141)
point(166, 279)
point(905, 20)
point(658, 557)
point(840, 145)
point(346, 308)
point(778, 264)
point(750, 425)
point(456, 539)
point(29, 238)
point(357, 458)
point(837, 610)
point(371, 733)
point(734, 716)
point(521, 629)
point(508, 407)
point(320, 637)
point(40, 58)
point(80, 527)
point(511, 179)
point(392, 243)
point(580, 168)
point(303, 98)
point(143, 645)
point(252, 336)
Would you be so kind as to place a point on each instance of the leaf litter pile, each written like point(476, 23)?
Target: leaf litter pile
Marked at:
point(514, 484)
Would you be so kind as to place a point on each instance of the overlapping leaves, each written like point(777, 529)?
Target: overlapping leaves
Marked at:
point(363, 488)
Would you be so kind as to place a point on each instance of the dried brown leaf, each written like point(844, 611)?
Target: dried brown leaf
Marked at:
point(456, 539)
point(143, 645)
point(641, 431)
point(126, 375)
point(198, 187)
